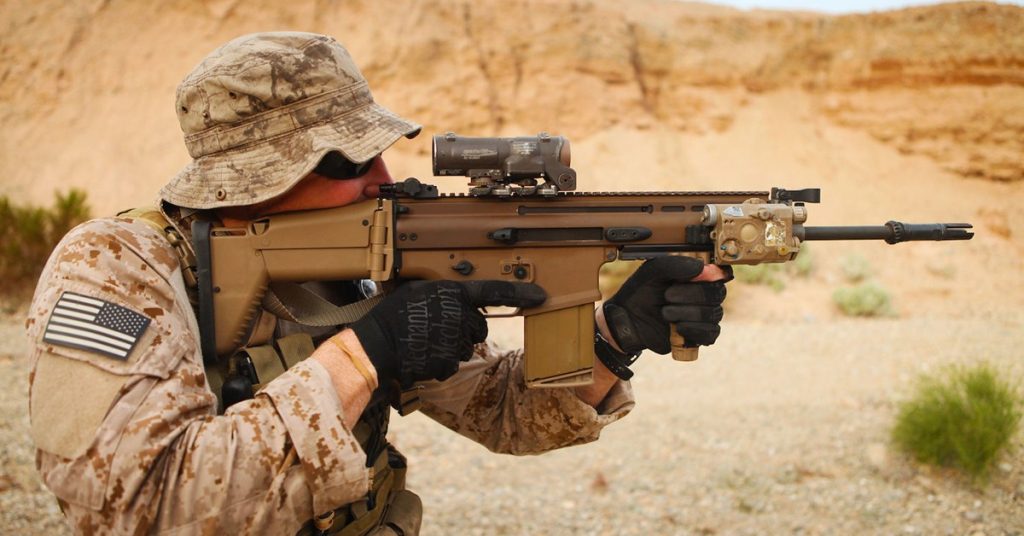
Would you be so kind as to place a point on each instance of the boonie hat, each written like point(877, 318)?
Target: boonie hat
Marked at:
point(261, 111)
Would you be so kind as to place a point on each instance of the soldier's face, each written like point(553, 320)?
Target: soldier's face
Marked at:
point(316, 191)
point(313, 192)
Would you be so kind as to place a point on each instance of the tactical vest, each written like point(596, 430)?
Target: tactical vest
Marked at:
point(388, 508)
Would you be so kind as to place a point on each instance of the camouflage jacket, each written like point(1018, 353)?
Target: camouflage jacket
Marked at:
point(125, 423)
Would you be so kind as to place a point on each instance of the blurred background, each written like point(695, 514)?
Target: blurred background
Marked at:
point(915, 114)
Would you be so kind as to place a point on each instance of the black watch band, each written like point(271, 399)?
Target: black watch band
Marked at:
point(615, 361)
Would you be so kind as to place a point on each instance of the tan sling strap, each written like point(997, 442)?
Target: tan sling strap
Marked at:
point(292, 302)
point(152, 217)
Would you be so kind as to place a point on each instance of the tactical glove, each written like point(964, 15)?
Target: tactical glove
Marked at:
point(660, 294)
point(424, 329)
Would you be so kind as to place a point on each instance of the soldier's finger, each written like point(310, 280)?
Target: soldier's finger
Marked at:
point(714, 272)
point(476, 326)
point(698, 333)
point(692, 313)
point(666, 270)
point(696, 293)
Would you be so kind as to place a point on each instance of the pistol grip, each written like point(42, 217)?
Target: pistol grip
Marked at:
point(679, 351)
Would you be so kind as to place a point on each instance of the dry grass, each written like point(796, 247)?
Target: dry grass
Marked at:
point(27, 236)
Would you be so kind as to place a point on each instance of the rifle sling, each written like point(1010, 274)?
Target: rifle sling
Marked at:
point(294, 303)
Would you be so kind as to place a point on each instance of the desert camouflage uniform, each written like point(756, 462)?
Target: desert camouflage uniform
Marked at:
point(135, 446)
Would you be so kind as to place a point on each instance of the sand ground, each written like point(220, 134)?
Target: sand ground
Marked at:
point(781, 427)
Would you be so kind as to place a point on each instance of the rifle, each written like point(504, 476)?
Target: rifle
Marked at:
point(510, 226)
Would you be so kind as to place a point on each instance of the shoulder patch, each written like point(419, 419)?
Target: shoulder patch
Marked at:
point(98, 326)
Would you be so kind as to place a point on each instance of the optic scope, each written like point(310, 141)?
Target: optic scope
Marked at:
point(506, 167)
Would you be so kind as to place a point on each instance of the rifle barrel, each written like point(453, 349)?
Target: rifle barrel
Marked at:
point(892, 232)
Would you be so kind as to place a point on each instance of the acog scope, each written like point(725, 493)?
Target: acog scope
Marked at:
point(506, 166)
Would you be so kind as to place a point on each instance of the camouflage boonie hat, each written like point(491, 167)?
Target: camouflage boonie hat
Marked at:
point(261, 111)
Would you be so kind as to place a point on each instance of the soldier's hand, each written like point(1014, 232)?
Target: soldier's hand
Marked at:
point(424, 329)
point(668, 291)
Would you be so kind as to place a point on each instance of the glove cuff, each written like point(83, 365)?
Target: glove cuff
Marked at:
point(622, 329)
point(375, 342)
point(616, 362)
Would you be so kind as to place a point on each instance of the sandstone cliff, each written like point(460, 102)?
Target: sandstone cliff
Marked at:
point(86, 88)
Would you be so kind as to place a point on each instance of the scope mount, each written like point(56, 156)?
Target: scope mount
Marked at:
point(484, 183)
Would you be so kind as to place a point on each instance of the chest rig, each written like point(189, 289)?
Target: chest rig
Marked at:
point(278, 339)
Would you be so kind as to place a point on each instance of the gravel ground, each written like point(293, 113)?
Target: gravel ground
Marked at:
point(777, 429)
point(26, 507)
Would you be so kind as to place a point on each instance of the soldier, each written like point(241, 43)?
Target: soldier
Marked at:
point(129, 432)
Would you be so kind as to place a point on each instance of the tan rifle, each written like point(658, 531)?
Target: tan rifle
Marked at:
point(510, 226)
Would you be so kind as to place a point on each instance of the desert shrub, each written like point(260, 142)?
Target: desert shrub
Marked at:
point(803, 265)
point(29, 233)
point(866, 299)
point(963, 417)
point(774, 275)
point(855, 268)
point(770, 275)
point(943, 269)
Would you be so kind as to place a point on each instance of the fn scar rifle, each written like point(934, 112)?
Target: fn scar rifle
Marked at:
point(521, 220)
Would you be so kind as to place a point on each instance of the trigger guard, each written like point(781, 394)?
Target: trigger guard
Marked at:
point(515, 312)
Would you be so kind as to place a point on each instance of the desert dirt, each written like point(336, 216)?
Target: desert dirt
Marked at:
point(782, 426)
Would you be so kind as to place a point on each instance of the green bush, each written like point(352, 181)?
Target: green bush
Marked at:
point(28, 234)
point(855, 268)
point(803, 265)
point(774, 275)
point(770, 275)
point(866, 299)
point(962, 418)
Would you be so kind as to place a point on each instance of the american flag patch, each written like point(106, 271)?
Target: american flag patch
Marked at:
point(86, 323)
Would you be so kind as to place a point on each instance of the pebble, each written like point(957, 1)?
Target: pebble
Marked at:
point(651, 489)
point(972, 515)
point(878, 456)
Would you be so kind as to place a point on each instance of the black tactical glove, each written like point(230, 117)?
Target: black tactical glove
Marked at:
point(425, 328)
point(659, 293)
